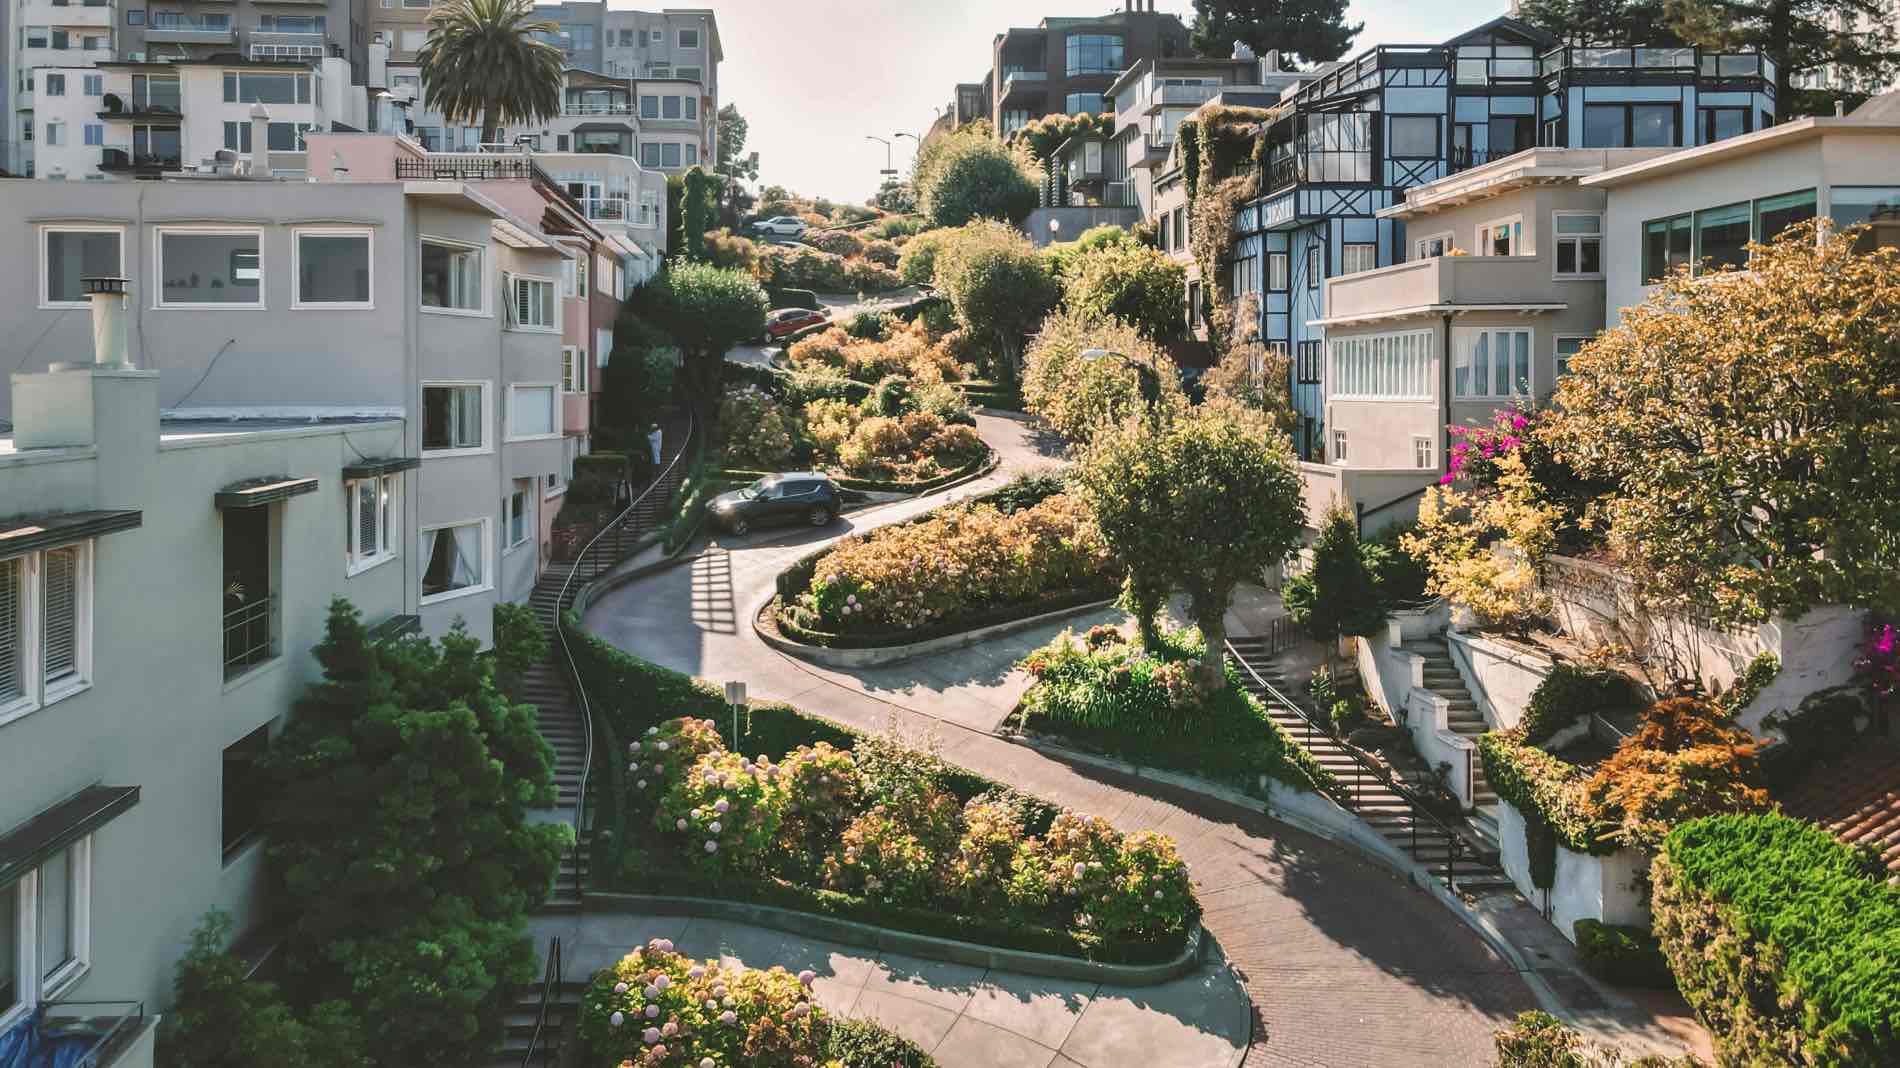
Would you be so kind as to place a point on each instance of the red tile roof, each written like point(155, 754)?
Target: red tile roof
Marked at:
point(1856, 797)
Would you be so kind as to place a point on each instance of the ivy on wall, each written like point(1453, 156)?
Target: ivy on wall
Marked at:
point(1220, 155)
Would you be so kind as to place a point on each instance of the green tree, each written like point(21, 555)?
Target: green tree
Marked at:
point(483, 61)
point(895, 196)
point(1202, 502)
point(969, 175)
point(698, 207)
point(1603, 22)
point(1751, 424)
point(1078, 398)
point(1041, 137)
point(998, 285)
point(1802, 37)
point(1314, 30)
point(400, 844)
point(636, 386)
point(707, 310)
point(736, 165)
point(1122, 280)
point(1338, 596)
point(918, 265)
point(675, 216)
point(221, 1019)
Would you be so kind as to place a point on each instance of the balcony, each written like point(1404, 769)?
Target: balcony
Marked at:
point(1182, 96)
point(577, 109)
point(470, 167)
point(88, 14)
point(95, 1034)
point(120, 159)
point(1444, 283)
point(1024, 80)
point(288, 39)
point(250, 634)
point(1625, 64)
point(171, 28)
point(142, 107)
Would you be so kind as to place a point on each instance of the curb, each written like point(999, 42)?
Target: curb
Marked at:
point(878, 656)
point(929, 947)
point(1343, 828)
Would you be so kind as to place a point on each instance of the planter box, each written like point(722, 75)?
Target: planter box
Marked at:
point(1584, 888)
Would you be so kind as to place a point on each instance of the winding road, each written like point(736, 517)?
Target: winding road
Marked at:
point(1344, 964)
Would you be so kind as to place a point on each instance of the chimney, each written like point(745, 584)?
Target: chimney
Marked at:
point(108, 321)
point(260, 141)
point(102, 402)
point(1270, 63)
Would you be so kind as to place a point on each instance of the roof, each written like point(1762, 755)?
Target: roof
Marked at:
point(1533, 166)
point(1856, 797)
point(1788, 133)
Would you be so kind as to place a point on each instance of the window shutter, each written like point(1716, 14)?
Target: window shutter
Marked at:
point(62, 596)
point(12, 656)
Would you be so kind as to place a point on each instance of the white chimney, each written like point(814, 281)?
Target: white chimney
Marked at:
point(1243, 52)
point(108, 320)
point(1270, 63)
point(260, 141)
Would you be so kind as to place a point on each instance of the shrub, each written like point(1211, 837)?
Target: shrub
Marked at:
point(822, 788)
point(1536, 782)
point(892, 851)
point(755, 433)
point(802, 267)
point(871, 325)
point(918, 265)
point(860, 1044)
point(1483, 548)
point(837, 242)
point(1571, 692)
point(723, 813)
point(655, 1007)
point(1336, 597)
point(1078, 397)
point(1540, 1040)
point(865, 276)
point(890, 396)
point(905, 226)
point(881, 252)
point(221, 1019)
point(821, 351)
point(1684, 760)
point(979, 867)
point(1623, 956)
point(1782, 939)
point(1142, 287)
point(520, 643)
point(970, 175)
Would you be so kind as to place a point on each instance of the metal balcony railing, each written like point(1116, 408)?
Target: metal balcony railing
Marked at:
point(580, 109)
point(87, 1034)
point(250, 636)
point(609, 208)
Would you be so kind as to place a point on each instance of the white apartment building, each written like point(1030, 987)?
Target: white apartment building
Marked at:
point(42, 33)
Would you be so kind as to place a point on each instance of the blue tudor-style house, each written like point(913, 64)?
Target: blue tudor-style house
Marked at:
point(1353, 138)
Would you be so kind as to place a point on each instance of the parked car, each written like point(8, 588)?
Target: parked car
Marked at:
point(780, 225)
point(795, 497)
point(783, 322)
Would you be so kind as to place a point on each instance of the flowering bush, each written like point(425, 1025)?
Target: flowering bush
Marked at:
point(1473, 458)
point(909, 351)
point(655, 1007)
point(822, 788)
point(1879, 662)
point(1110, 682)
point(724, 812)
point(958, 562)
point(758, 435)
point(881, 252)
point(837, 242)
point(980, 867)
point(804, 267)
point(663, 757)
point(892, 851)
point(1484, 549)
point(1118, 884)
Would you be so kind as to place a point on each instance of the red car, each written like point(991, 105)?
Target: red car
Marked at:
point(787, 321)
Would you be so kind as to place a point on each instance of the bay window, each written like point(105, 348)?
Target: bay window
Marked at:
point(1721, 236)
point(1877, 207)
point(455, 560)
point(1382, 366)
point(1579, 238)
point(1502, 238)
point(1491, 362)
point(573, 369)
point(451, 277)
point(453, 416)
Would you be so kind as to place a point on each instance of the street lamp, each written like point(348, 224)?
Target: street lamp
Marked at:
point(888, 171)
point(1148, 378)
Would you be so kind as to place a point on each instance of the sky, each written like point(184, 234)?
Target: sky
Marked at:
point(813, 78)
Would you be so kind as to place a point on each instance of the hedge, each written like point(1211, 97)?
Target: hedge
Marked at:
point(1784, 941)
point(1548, 792)
point(1008, 613)
point(1623, 956)
point(1571, 692)
point(787, 297)
point(872, 485)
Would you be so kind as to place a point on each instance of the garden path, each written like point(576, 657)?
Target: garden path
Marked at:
point(1343, 963)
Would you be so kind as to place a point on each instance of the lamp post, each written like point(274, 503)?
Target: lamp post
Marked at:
point(888, 171)
point(1148, 379)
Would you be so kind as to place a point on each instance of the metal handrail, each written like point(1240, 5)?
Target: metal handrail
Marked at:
point(551, 976)
point(1454, 840)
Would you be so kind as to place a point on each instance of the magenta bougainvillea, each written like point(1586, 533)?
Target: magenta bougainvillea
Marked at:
point(1879, 662)
point(1474, 456)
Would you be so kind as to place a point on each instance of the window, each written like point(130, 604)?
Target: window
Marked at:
point(692, 155)
point(455, 560)
point(691, 106)
point(217, 268)
point(45, 627)
point(1502, 238)
point(1423, 453)
point(55, 133)
point(156, 93)
point(1083, 103)
point(690, 74)
point(650, 154)
point(95, 135)
point(1382, 366)
point(1721, 237)
point(516, 510)
point(532, 303)
point(1721, 123)
point(1426, 248)
point(45, 930)
point(413, 40)
point(280, 136)
point(262, 88)
point(371, 509)
point(1491, 362)
point(649, 107)
point(1630, 126)
point(669, 154)
point(1277, 272)
point(573, 369)
point(1094, 53)
point(453, 415)
point(245, 790)
point(1566, 348)
point(1579, 237)
point(451, 277)
point(656, 37)
point(135, 16)
point(94, 84)
point(1313, 266)
point(1307, 366)
point(1357, 256)
point(1877, 207)
point(333, 269)
point(68, 255)
point(533, 412)
point(1413, 137)
point(54, 85)
point(1167, 231)
point(93, 42)
point(1339, 446)
point(669, 107)
point(1775, 214)
point(689, 38)
point(1509, 134)
point(1666, 246)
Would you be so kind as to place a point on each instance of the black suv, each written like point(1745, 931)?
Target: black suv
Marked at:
point(796, 497)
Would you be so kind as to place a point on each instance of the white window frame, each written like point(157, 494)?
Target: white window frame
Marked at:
point(487, 583)
point(1558, 239)
point(1279, 272)
point(159, 234)
point(1558, 359)
point(1340, 448)
point(1461, 348)
point(1421, 246)
point(46, 275)
point(1392, 366)
point(37, 693)
point(36, 989)
point(488, 416)
point(528, 519)
point(552, 307)
point(569, 287)
point(389, 489)
point(681, 38)
point(1345, 260)
point(1424, 452)
point(554, 394)
point(573, 369)
point(1513, 226)
point(485, 310)
point(296, 280)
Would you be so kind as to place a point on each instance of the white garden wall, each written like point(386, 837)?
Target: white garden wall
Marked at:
point(1500, 675)
point(1396, 676)
point(1585, 887)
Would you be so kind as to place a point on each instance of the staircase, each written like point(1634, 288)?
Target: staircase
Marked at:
point(518, 1017)
point(1443, 679)
point(1362, 792)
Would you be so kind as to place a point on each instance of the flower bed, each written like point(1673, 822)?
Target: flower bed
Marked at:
point(960, 563)
point(1106, 693)
point(908, 350)
point(657, 1007)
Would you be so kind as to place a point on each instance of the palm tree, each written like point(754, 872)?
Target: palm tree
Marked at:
point(491, 58)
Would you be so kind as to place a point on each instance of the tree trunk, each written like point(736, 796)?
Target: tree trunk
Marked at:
point(490, 127)
point(1145, 600)
point(1212, 619)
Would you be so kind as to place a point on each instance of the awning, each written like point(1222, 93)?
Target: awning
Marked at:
point(30, 844)
point(387, 465)
point(395, 627)
point(1437, 309)
point(257, 492)
point(29, 532)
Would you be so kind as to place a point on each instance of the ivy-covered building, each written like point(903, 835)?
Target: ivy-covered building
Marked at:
point(1354, 137)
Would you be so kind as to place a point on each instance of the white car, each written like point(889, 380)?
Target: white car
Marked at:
point(782, 225)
